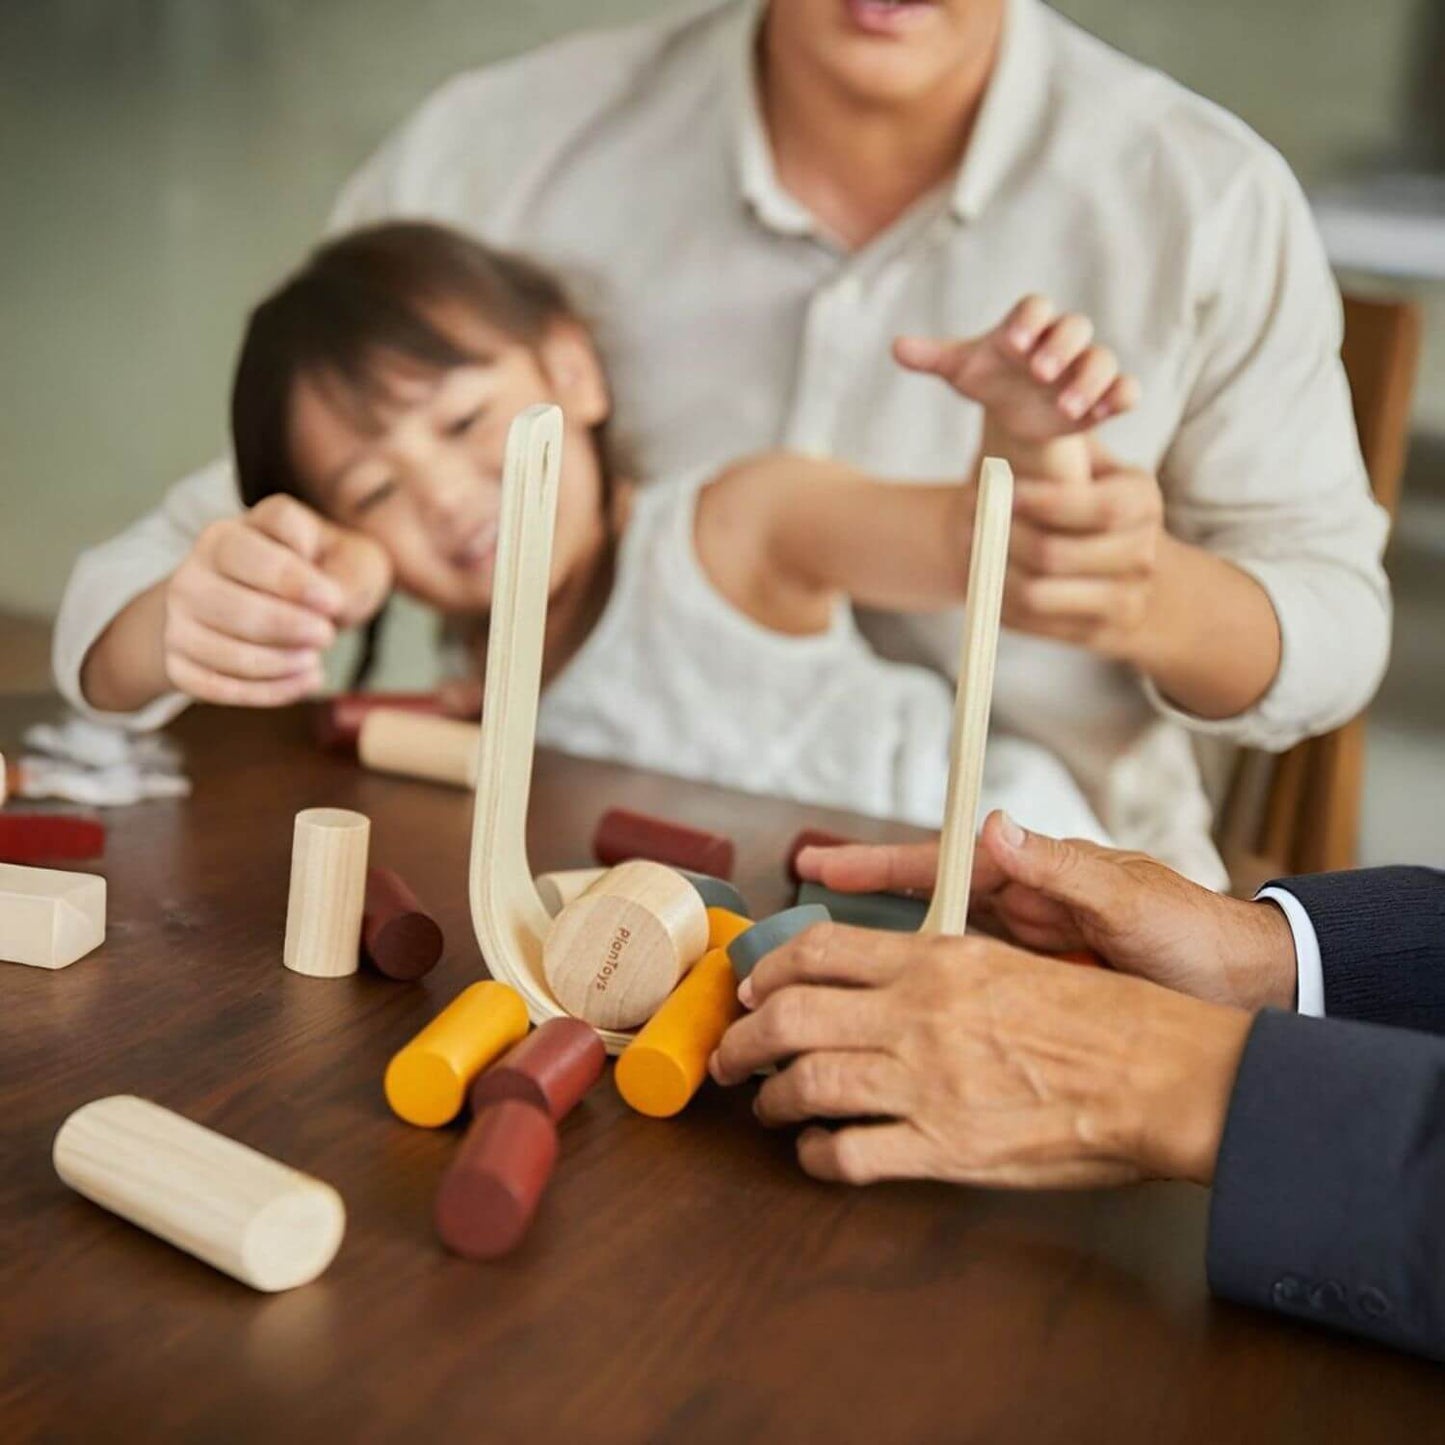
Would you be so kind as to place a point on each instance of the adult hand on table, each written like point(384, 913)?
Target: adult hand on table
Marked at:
point(260, 598)
point(1057, 895)
point(987, 1065)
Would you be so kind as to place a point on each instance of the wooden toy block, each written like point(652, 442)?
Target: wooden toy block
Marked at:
point(50, 837)
point(48, 919)
point(616, 952)
point(748, 949)
point(490, 1193)
point(426, 1082)
point(328, 892)
point(433, 749)
point(811, 838)
point(551, 1069)
point(267, 1225)
point(557, 890)
point(4, 781)
point(948, 912)
point(889, 911)
point(716, 892)
point(398, 936)
point(664, 1066)
point(622, 835)
point(337, 720)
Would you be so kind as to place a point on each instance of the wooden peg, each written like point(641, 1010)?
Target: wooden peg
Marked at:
point(338, 719)
point(47, 837)
point(664, 1066)
point(399, 938)
point(948, 913)
point(557, 890)
point(328, 892)
point(264, 1224)
point(616, 952)
point(434, 749)
point(552, 1068)
point(48, 919)
point(622, 834)
point(426, 1082)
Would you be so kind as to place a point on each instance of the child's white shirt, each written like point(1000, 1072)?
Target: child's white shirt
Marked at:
point(676, 679)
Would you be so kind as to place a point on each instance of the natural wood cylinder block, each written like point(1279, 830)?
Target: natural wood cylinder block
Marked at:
point(48, 918)
point(557, 890)
point(267, 1225)
point(435, 749)
point(664, 1066)
point(338, 719)
point(426, 1082)
point(328, 892)
point(616, 952)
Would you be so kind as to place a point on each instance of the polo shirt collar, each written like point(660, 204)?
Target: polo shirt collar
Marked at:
point(1010, 119)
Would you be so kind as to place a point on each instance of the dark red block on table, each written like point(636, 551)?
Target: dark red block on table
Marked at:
point(812, 838)
point(622, 835)
point(338, 719)
point(489, 1194)
point(551, 1069)
point(398, 936)
point(49, 837)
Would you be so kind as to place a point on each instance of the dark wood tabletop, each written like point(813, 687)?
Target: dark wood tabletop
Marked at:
point(683, 1281)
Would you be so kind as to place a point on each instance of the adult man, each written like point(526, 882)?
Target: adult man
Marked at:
point(1324, 1138)
point(764, 198)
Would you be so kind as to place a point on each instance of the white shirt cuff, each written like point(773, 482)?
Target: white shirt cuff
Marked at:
point(1309, 970)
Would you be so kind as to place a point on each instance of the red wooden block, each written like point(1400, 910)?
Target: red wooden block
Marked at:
point(811, 838)
point(490, 1193)
point(49, 837)
point(338, 719)
point(398, 937)
point(551, 1069)
point(622, 835)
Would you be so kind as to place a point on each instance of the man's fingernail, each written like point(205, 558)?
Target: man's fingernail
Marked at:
point(745, 993)
point(1012, 834)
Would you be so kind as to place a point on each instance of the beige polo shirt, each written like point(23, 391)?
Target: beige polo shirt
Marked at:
point(636, 162)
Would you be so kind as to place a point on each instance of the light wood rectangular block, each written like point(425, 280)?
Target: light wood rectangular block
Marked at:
point(49, 918)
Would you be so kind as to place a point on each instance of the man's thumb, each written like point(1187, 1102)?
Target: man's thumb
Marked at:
point(1059, 868)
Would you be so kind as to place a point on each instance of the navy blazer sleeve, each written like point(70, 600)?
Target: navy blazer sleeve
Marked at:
point(1329, 1192)
point(1381, 933)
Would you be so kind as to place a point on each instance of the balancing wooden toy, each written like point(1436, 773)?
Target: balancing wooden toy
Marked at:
point(557, 890)
point(811, 838)
point(267, 1225)
point(748, 949)
point(426, 1082)
point(616, 952)
point(550, 1069)
point(48, 919)
point(664, 1066)
point(433, 749)
point(889, 911)
point(398, 936)
point(337, 720)
point(328, 891)
point(50, 837)
point(988, 564)
point(622, 834)
point(490, 1193)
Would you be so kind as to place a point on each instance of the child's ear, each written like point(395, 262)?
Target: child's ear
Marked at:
point(571, 364)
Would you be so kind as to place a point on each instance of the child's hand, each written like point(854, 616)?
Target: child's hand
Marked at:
point(1037, 373)
point(260, 598)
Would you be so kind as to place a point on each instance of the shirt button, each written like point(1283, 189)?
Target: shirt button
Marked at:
point(1288, 1290)
point(1374, 1303)
point(1328, 1297)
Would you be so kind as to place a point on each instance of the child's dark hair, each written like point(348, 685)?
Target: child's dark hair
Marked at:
point(361, 301)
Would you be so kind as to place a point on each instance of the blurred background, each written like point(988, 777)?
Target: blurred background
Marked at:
point(162, 162)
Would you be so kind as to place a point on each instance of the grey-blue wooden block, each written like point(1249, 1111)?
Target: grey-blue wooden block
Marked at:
point(747, 949)
point(890, 911)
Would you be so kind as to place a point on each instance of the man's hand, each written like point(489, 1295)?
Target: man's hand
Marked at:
point(260, 598)
point(989, 1066)
point(1139, 915)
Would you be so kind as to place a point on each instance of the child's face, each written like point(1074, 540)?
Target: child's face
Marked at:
point(423, 475)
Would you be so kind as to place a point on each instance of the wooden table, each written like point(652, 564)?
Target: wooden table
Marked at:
point(683, 1282)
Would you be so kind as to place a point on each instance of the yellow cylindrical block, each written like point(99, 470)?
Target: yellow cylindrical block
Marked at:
point(437, 749)
point(664, 1066)
point(427, 1081)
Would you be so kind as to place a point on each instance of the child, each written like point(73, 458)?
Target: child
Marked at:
point(699, 625)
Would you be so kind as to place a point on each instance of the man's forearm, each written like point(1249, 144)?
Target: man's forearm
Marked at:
point(125, 668)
